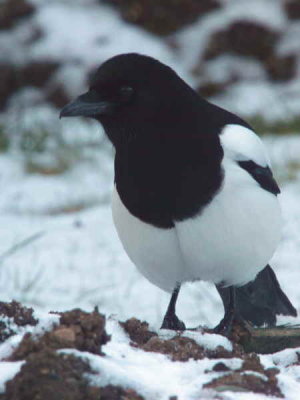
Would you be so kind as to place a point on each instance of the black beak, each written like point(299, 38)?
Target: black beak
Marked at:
point(87, 105)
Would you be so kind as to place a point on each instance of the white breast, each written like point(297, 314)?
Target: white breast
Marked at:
point(154, 251)
point(230, 241)
point(236, 234)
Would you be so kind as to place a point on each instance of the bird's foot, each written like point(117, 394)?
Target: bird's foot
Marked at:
point(173, 322)
point(229, 323)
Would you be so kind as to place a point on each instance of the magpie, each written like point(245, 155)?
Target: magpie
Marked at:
point(194, 196)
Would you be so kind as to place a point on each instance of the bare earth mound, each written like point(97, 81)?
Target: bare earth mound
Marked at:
point(83, 355)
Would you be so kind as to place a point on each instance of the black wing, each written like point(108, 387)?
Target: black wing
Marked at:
point(261, 300)
point(262, 175)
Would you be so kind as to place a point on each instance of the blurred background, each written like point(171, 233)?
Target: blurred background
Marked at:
point(58, 246)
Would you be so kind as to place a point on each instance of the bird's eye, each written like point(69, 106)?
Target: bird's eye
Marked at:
point(126, 93)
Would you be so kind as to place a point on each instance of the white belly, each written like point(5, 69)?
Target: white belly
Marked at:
point(236, 235)
point(154, 251)
point(231, 240)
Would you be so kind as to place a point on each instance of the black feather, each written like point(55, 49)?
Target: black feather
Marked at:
point(261, 300)
point(262, 175)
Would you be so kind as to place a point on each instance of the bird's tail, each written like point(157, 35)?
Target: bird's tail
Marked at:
point(261, 300)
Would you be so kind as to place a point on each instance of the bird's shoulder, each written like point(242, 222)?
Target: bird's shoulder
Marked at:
point(243, 146)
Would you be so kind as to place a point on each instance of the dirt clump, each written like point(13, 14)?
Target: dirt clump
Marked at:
point(138, 331)
point(89, 329)
point(77, 330)
point(243, 381)
point(111, 392)
point(244, 38)
point(247, 39)
point(163, 17)
point(17, 314)
point(281, 68)
point(178, 348)
point(48, 375)
point(12, 10)
point(16, 77)
point(250, 377)
point(292, 9)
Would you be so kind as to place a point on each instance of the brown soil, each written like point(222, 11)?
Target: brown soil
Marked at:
point(246, 378)
point(181, 348)
point(15, 77)
point(49, 375)
point(77, 330)
point(18, 314)
point(12, 10)
point(163, 17)
point(241, 381)
point(245, 38)
point(178, 349)
point(138, 331)
point(210, 88)
point(248, 39)
point(292, 8)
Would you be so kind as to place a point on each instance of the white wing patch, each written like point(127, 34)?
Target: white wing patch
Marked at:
point(242, 144)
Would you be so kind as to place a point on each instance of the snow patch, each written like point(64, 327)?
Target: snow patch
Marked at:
point(8, 370)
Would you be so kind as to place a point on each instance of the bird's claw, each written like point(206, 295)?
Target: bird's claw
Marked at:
point(173, 323)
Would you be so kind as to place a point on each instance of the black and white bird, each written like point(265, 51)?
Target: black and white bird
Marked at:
point(194, 196)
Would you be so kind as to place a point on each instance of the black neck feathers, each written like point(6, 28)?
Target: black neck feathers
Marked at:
point(170, 174)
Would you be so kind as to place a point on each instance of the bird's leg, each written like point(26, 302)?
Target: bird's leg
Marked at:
point(231, 315)
point(171, 321)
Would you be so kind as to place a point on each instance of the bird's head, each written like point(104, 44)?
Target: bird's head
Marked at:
point(132, 94)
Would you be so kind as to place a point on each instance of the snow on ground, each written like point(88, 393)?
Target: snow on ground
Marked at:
point(289, 377)
point(134, 368)
point(8, 369)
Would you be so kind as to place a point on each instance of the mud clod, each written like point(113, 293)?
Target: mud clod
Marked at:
point(250, 377)
point(111, 392)
point(48, 375)
point(21, 315)
point(244, 38)
point(179, 348)
point(88, 328)
point(245, 382)
point(292, 9)
point(18, 314)
point(51, 376)
point(165, 17)
point(77, 330)
point(252, 363)
point(12, 10)
point(138, 331)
